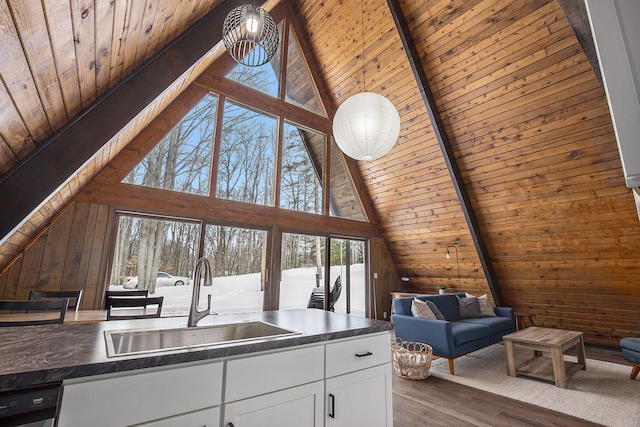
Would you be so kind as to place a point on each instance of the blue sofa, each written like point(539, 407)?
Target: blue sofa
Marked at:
point(453, 337)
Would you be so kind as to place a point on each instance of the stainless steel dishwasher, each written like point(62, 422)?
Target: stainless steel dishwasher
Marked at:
point(30, 407)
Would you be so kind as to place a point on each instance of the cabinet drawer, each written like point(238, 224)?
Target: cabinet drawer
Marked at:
point(206, 418)
point(359, 353)
point(140, 396)
point(257, 375)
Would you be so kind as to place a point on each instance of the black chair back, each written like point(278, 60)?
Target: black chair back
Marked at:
point(33, 312)
point(140, 308)
point(75, 297)
point(126, 294)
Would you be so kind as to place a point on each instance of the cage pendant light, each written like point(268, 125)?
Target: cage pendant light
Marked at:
point(250, 35)
point(366, 126)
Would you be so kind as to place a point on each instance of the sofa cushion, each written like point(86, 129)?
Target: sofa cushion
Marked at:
point(421, 309)
point(447, 304)
point(496, 325)
point(469, 308)
point(486, 309)
point(464, 332)
point(435, 310)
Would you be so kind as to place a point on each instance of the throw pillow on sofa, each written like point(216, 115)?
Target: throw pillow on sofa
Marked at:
point(421, 309)
point(469, 308)
point(485, 305)
point(435, 310)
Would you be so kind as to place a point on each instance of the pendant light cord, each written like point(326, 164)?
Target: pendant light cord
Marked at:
point(364, 64)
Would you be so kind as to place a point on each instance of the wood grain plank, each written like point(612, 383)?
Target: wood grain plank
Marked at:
point(14, 68)
point(104, 25)
point(61, 36)
point(133, 31)
point(30, 21)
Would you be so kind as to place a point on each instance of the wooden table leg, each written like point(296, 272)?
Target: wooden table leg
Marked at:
point(559, 373)
point(580, 353)
point(511, 360)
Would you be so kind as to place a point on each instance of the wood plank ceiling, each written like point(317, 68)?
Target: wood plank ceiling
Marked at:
point(526, 117)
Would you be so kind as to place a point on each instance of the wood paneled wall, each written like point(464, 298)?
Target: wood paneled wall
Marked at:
point(387, 281)
point(69, 255)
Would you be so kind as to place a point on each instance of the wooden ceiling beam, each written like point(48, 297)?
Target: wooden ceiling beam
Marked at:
point(445, 145)
point(40, 174)
point(576, 13)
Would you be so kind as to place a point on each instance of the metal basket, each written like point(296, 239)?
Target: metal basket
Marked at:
point(411, 360)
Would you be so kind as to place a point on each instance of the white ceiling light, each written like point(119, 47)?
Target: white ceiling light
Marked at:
point(250, 35)
point(366, 125)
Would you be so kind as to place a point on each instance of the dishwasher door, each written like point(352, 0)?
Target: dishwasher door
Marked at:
point(30, 407)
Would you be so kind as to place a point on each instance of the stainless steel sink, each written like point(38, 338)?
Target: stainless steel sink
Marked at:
point(137, 341)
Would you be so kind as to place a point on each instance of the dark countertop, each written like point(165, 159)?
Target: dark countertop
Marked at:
point(33, 355)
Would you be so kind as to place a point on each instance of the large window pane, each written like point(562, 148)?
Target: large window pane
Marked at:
point(302, 166)
point(302, 269)
point(158, 255)
point(237, 257)
point(264, 78)
point(247, 153)
point(181, 161)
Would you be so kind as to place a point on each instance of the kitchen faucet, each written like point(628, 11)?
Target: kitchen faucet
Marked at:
point(203, 270)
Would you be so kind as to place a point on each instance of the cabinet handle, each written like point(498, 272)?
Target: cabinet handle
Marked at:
point(332, 406)
point(230, 425)
point(368, 353)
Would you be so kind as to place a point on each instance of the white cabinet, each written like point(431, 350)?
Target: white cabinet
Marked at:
point(276, 389)
point(361, 398)
point(135, 397)
point(298, 406)
point(206, 418)
point(345, 382)
point(358, 385)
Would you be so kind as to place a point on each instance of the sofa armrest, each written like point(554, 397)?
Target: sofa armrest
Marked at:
point(505, 312)
point(436, 333)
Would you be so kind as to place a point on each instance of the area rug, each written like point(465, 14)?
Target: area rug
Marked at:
point(603, 393)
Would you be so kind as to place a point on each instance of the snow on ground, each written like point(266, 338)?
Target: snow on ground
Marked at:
point(240, 294)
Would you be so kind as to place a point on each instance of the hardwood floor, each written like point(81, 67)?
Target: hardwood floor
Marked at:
point(438, 402)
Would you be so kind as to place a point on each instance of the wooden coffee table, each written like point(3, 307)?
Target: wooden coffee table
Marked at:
point(555, 341)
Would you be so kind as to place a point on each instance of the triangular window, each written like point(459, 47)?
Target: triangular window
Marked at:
point(344, 201)
point(181, 161)
point(246, 159)
point(301, 89)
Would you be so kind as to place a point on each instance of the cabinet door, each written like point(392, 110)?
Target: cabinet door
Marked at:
point(299, 406)
point(206, 418)
point(361, 398)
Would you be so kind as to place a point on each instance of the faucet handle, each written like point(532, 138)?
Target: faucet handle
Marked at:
point(208, 303)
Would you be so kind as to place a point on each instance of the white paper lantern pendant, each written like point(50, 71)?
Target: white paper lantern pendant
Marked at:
point(366, 126)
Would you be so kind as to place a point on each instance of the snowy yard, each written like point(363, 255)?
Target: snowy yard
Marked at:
point(238, 294)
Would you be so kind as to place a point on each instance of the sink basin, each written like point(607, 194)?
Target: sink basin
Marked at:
point(138, 341)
